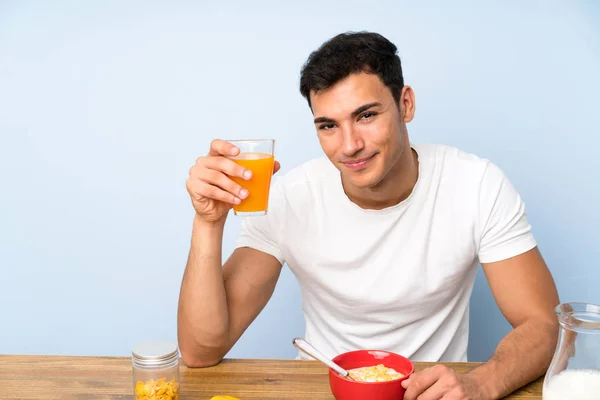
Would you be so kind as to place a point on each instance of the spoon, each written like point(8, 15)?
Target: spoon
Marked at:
point(307, 348)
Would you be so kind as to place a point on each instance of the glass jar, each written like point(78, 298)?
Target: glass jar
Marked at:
point(574, 372)
point(155, 367)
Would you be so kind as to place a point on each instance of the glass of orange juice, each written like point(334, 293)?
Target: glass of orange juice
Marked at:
point(257, 155)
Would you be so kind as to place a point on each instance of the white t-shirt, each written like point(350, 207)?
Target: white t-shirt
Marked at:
point(397, 279)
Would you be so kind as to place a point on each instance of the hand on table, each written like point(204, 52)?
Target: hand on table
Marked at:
point(440, 383)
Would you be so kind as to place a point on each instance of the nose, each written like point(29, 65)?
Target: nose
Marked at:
point(352, 142)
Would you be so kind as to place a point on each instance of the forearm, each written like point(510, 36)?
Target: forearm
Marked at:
point(522, 356)
point(203, 320)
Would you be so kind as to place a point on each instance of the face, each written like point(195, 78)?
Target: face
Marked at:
point(362, 129)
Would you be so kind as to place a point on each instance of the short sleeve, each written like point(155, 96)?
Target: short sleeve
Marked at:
point(261, 233)
point(505, 229)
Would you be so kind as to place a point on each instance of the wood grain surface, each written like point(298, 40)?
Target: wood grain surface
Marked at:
point(94, 378)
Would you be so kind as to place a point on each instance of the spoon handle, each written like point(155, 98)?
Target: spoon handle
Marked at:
point(304, 346)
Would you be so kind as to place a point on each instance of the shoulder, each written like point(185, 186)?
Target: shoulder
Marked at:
point(310, 176)
point(459, 166)
point(450, 157)
point(295, 192)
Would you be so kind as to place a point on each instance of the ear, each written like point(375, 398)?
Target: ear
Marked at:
point(407, 104)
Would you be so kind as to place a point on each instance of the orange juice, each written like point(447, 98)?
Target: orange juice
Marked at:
point(261, 165)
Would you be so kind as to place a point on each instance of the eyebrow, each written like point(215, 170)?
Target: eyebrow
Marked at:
point(359, 110)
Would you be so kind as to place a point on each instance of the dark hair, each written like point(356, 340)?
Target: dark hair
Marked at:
point(349, 53)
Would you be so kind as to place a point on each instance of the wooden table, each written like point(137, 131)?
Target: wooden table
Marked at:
point(93, 378)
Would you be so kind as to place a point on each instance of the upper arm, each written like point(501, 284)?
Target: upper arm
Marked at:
point(252, 271)
point(517, 274)
point(523, 287)
point(250, 277)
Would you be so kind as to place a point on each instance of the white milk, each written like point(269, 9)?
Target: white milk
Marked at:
point(574, 384)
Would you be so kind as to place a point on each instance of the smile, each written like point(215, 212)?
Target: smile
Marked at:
point(358, 164)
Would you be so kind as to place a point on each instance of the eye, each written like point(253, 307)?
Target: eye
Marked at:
point(326, 127)
point(368, 115)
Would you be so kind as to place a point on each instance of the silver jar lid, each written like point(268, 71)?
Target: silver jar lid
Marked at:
point(155, 352)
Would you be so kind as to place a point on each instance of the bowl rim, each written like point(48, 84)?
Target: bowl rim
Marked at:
point(412, 367)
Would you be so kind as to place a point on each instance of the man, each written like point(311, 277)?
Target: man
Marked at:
point(384, 237)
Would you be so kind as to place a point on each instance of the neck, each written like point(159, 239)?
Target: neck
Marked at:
point(394, 188)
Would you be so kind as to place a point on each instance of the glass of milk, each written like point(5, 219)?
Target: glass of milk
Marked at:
point(574, 373)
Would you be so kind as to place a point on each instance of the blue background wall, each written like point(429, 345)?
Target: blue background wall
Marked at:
point(105, 105)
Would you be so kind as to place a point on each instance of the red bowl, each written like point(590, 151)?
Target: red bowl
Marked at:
point(345, 389)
